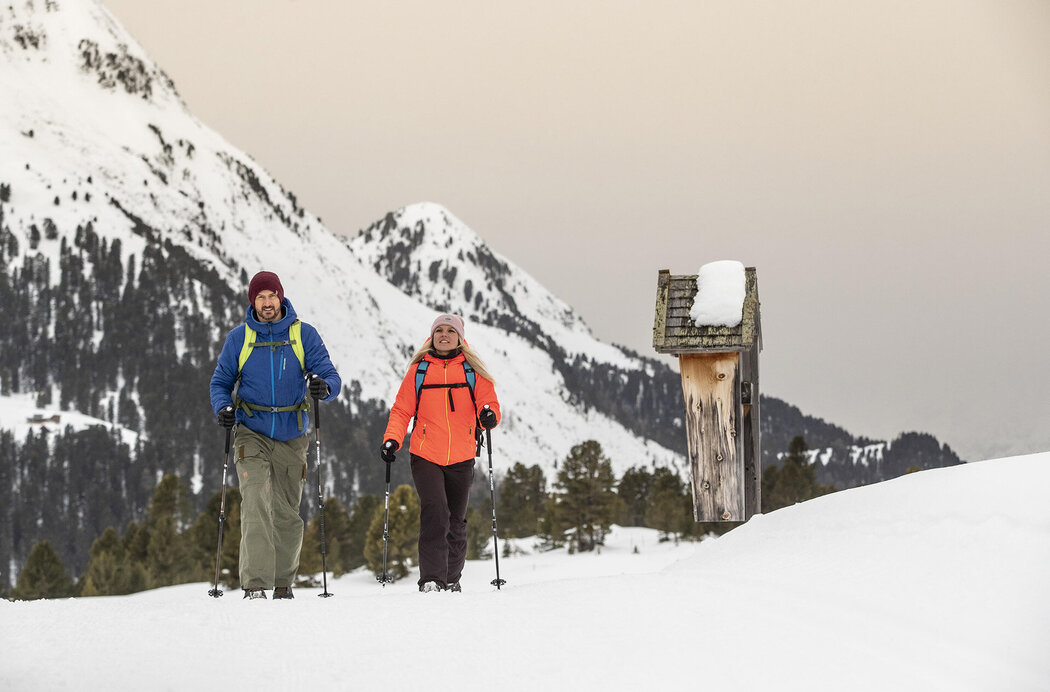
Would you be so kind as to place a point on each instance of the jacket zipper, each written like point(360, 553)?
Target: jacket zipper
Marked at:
point(273, 388)
point(448, 423)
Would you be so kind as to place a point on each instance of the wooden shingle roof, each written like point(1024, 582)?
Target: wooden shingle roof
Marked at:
point(674, 331)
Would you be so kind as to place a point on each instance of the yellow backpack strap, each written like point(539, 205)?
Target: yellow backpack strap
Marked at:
point(295, 335)
point(246, 349)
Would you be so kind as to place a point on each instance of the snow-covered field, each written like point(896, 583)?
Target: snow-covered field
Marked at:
point(934, 581)
point(18, 410)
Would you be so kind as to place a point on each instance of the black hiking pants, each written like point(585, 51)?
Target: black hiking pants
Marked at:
point(443, 493)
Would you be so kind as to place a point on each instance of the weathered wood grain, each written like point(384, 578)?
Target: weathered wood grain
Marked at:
point(710, 383)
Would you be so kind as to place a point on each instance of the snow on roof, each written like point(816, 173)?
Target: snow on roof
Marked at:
point(720, 290)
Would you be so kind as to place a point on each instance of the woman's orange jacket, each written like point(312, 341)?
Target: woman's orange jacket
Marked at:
point(445, 422)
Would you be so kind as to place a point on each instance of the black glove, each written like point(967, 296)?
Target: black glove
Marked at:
point(386, 452)
point(487, 418)
point(226, 417)
point(318, 387)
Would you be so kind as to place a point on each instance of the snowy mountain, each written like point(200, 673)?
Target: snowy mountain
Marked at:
point(434, 257)
point(141, 171)
point(128, 232)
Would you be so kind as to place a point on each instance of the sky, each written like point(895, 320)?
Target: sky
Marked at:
point(894, 586)
point(884, 166)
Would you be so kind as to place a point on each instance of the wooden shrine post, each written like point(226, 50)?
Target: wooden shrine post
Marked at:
point(719, 367)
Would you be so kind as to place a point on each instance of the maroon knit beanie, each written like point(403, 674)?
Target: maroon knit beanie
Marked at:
point(264, 281)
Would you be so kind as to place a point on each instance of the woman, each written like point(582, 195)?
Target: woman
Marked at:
point(449, 392)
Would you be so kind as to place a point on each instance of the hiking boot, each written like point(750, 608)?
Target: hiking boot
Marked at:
point(282, 592)
point(427, 587)
point(455, 587)
point(255, 593)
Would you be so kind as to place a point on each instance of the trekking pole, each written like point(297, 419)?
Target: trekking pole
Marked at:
point(497, 582)
point(320, 498)
point(216, 591)
point(383, 578)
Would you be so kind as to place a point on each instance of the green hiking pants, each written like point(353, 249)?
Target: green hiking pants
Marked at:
point(271, 475)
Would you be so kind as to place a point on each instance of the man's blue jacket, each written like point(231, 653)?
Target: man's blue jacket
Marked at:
point(272, 377)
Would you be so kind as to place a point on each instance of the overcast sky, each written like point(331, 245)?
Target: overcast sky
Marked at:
point(884, 165)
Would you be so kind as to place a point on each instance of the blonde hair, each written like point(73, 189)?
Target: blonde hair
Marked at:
point(468, 353)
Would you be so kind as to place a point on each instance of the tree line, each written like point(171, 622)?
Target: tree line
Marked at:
point(170, 546)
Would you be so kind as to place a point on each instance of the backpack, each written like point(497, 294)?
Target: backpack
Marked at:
point(468, 370)
point(295, 340)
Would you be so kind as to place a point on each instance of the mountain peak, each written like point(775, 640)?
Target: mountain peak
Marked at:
point(431, 255)
point(78, 45)
point(425, 226)
point(433, 216)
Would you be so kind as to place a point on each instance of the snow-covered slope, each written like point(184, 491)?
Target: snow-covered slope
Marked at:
point(896, 586)
point(91, 131)
point(433, 256)
point(20, 414)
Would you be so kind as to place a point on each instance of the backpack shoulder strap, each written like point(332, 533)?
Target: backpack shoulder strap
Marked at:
point(472, 379)
point(246, 349)
point(421, 373)
point(295, 339)
point(295, 335)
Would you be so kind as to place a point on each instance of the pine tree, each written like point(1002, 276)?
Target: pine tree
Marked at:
point(633, 489)
point(360, 519)
point(587, 501)
point(168, 558)
point(338, 519)
point(551, 525)
point(203, 539)
point(103, 575)
point(479, 530)
point(336, 539)
point(170, 499)
point(794, 481)
point(666, 509)
point(133, 573)
point(521, 499)
point(403, 543)
point(44, 575)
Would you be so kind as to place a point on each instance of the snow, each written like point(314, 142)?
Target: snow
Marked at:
point(719, 300)
point(18, 411)
point(935, 580)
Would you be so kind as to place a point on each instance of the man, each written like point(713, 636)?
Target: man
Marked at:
point(279, 363)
